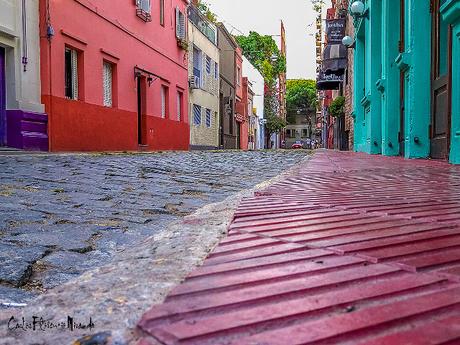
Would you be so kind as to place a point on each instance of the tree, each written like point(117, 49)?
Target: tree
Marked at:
point(264, 55)
point(274, 124)
point(337, 107)
point(301, 95)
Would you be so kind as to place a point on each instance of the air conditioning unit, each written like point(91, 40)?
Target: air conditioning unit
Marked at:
point(194, 82)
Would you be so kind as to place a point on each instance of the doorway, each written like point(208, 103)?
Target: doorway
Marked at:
point(2, 98)
point(402, 78)
point(440, 67)
point(141, 111)
point(221, 120)
point(238, 135)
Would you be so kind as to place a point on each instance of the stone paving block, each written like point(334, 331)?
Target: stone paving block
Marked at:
point(16, 262)
point(106, 203)
point(10, 295)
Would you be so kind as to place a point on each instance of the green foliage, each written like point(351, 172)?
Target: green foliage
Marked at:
point(205, 9)
point(264, 54)
point(301, 95)
point(275, 124)
point(337, 107)
point(317, 5)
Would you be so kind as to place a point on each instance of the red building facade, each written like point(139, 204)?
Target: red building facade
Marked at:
point(240, 105)
point(114, 76)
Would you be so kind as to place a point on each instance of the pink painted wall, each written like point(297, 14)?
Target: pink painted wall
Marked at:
point(111, 31)
point(239, 64)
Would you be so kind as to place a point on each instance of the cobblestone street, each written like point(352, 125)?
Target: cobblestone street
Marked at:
point(61, 215)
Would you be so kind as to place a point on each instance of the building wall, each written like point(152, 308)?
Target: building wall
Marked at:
point(257, 86)
point(302, 129)
point(450, 12)
point(207, 96)
point(23, 125)
point(243, 111)
point(227, 47)
point(118, 36)
point(348, 88)
point(378, 63)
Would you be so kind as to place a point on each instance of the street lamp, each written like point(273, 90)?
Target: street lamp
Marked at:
point(348, 42)
point(358, 9)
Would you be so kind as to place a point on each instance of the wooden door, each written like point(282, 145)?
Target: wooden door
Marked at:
point(141, 111)
point(440, 105)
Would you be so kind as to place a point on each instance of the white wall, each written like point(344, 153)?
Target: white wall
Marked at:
point(208, 95)
point(257, 81)
point(23, 87)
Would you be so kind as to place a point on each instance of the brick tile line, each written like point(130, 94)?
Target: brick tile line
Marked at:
point(231, 298)
point(447, 225)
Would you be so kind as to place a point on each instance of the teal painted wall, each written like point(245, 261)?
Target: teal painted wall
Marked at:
point(373, 62)
point(379, 104)
point(418, 79)
point(450, 11)
point(358, 85)
point(389, 84)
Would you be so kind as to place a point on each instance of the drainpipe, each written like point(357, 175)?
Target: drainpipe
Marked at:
point(24, 36)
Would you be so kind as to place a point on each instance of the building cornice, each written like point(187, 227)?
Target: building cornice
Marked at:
point(451, 11)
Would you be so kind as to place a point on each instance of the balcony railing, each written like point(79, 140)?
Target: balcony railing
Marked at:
point(207, 28)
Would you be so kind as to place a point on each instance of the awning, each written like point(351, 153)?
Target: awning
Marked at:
point(335, 59)
point(330, 81)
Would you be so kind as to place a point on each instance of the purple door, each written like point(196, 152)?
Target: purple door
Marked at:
point(2, 98)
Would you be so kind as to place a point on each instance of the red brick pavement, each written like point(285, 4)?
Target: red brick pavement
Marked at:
point(349, 249)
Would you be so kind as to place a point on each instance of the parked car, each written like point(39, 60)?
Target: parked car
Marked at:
point(297, 145)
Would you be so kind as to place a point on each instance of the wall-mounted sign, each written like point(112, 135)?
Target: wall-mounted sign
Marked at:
point(335, 29)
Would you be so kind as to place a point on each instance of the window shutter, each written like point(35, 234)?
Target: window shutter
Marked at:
point(163, 102)
point(196, 115)
point(107, 84)
point(208, 118)
point(179, 106)
point(182, 25)
point(74, 56)
point(178, 23)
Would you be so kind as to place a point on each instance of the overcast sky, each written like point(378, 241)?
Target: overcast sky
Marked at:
point(264, 17)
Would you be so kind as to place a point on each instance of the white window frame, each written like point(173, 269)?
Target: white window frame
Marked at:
point(107, 83)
